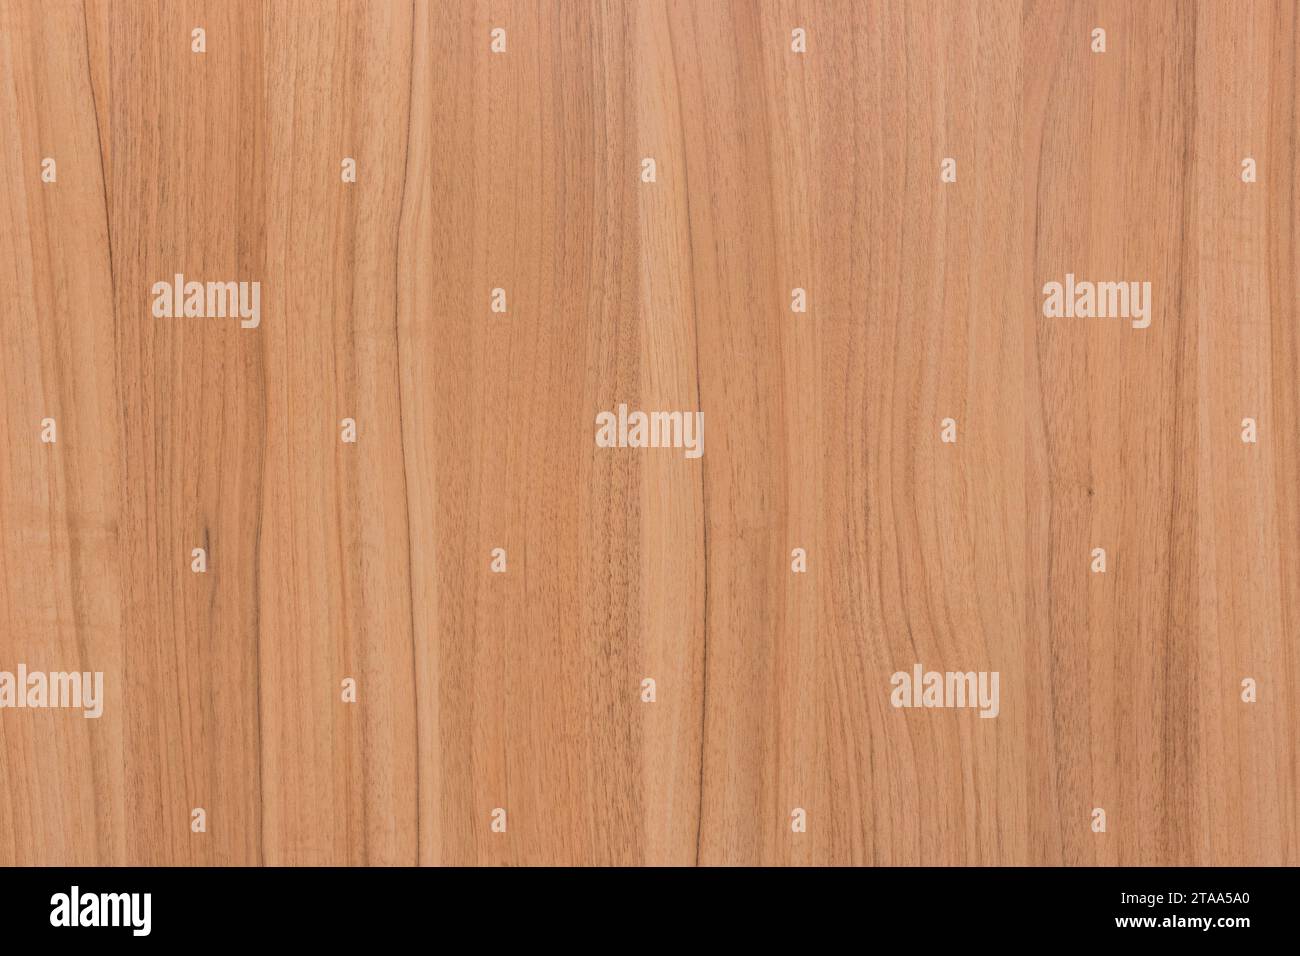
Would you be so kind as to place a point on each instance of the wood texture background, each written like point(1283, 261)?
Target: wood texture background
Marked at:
point(521, 690)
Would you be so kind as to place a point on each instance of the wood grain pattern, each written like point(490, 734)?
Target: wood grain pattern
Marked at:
point(521, 170)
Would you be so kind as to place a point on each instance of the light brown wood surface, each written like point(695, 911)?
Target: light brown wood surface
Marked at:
point(522, 690)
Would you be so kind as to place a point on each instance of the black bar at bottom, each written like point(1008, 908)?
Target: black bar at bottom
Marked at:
point(641, 909)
